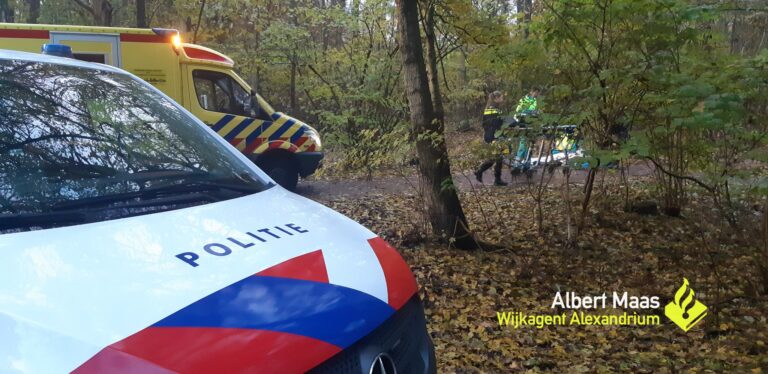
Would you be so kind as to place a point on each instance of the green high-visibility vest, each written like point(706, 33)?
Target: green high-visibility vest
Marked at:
point(526, 104)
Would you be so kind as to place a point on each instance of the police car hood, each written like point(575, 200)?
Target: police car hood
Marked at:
point(270, 281)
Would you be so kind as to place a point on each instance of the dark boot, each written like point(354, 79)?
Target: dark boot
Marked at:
point(485, 166)
point(497, 173)
point(479, 176)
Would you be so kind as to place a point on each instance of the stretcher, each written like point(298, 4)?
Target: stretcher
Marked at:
point(549, 146)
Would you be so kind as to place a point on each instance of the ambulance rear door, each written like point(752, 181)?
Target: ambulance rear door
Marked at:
point(153, 59)
point(101, 48)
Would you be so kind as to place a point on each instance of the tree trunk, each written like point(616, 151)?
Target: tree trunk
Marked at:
point(762, 260)
point(34, 11)
point(526, 8)
point(199, 20)
point(141, 13)
point(443, 205)
point(6, 12)
point(588, 187)
point(292, 93)
point(293, 58)
point(467, 109)
point(765, 237)
point(432, 72)
point(567, 197)
point(102, 12)
point(337, 33)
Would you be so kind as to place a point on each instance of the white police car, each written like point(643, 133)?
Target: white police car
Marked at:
point(133, 239)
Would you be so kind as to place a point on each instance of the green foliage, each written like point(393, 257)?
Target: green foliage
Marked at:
point(666, 80)
point(648, 79)
point(335, 68)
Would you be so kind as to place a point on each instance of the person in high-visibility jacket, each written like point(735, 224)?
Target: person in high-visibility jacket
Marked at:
point(527, 106)
point(492, 121)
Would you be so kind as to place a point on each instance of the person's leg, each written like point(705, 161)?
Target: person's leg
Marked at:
point(497, 172)
point(483, 167)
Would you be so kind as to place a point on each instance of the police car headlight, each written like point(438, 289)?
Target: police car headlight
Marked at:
point(312, 134)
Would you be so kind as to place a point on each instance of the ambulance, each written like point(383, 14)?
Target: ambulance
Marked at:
point(134, 239)
point(200, 79)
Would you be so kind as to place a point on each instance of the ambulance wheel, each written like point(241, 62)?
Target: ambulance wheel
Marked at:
point(282, 169)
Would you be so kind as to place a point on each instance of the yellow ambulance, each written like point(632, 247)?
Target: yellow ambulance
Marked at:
point(200, 79)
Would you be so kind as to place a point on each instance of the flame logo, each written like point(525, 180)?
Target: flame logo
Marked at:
point(684, 310)
point(685, 298)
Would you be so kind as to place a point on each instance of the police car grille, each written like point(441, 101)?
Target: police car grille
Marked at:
point(403, 337)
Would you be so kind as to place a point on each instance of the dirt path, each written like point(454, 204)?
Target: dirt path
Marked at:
point(356, 188)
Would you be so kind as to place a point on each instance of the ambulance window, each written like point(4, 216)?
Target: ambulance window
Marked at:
point(242, 98)
point(218, 92)
point(91, 57)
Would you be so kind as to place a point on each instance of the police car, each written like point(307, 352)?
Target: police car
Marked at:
point(135, 240)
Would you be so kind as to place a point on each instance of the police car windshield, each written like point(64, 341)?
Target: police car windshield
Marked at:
point(70, 134)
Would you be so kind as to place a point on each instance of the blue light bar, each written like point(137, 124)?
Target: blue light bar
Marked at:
point(59, 50)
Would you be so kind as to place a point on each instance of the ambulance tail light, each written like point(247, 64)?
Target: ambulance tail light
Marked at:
point(202, 53)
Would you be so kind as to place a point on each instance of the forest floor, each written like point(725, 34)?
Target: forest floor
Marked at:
point(333, 181)
point(358, 186)
point(617, 251)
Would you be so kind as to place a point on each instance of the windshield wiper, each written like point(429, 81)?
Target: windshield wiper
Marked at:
point(46, 219)
point(165, 195)
point(88, 211)
point(149, 200)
